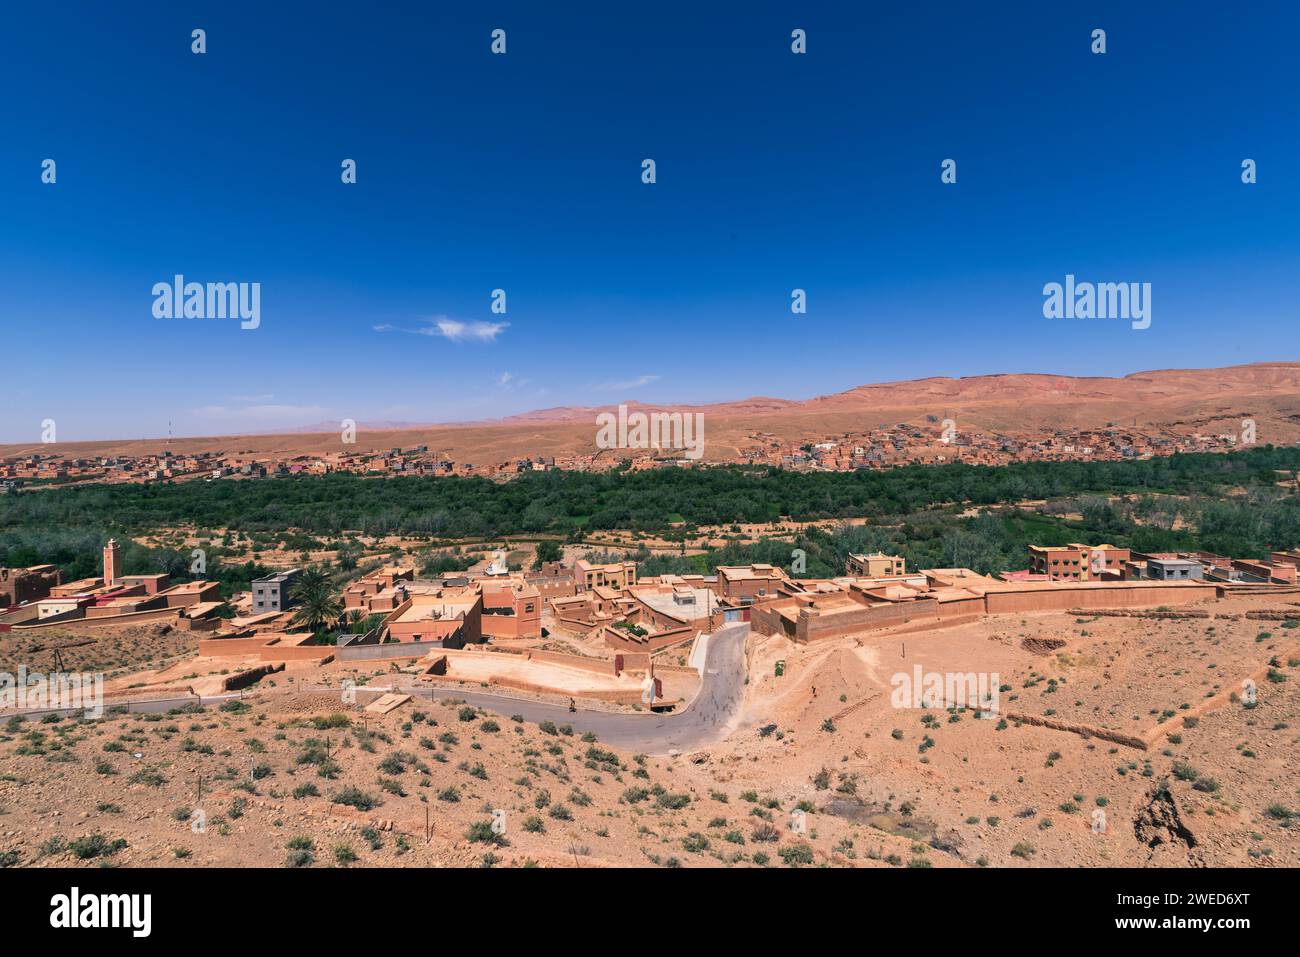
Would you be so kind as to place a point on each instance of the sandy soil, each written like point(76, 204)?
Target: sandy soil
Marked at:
point(113, 649)
point(878, 785)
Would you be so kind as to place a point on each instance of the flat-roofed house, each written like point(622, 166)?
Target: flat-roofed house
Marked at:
point(1175, 569)
point(875, 565)
point(190, 593)
point(274, 592)
point(1078, 563)
point(511, 609)
point(447, 618)
point(746, 584)
point(616, 575)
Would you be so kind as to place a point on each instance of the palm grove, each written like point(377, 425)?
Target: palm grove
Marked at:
point(1241, 504)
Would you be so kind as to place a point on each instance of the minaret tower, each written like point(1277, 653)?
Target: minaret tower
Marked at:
point(112, 562)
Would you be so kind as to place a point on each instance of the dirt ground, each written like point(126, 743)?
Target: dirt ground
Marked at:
point(112, 649)
point(822, 768)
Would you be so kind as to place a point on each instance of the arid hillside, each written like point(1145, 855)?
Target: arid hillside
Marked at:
point(821, 767)
point(1172, 401)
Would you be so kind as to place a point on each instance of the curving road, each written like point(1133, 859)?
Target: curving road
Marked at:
point(704, 721)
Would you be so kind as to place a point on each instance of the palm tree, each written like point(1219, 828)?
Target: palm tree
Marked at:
point(311, 578)
point(317, 606)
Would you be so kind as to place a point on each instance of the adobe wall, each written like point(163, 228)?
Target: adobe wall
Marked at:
point(221, 647)
point(629, 697)
point(600, 666)
point(429, 629)
point(391, 650)
point(199, 624)
point(576, 624)
point(185, 599)
point(110, 611)
point(813, 627)
point(634, 661)
point(507, 627)
point(661, 621)
point(547, 588)
point(132, 618)
point(765, 620)
point(242, 679)
point(276, 650)
point(20, 616)
point(1237, 588)
point(927, 612)
point(624, 641)
point(932, 624)
point(1085, 597)
point(153, 691)
point(962, 608)
point(672, 670)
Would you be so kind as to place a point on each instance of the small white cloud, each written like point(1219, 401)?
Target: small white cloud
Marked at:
point(457, 330)
point(626, 384)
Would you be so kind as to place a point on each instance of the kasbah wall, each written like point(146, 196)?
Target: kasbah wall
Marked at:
point(1126, 596)
point(813, 625)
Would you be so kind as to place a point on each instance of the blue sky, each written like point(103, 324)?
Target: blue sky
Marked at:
point(523, 172)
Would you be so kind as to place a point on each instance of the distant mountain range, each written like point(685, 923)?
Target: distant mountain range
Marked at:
point(1174, 401)
point(969, 391)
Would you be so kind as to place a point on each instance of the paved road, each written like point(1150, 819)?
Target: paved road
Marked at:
point(702, 722)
